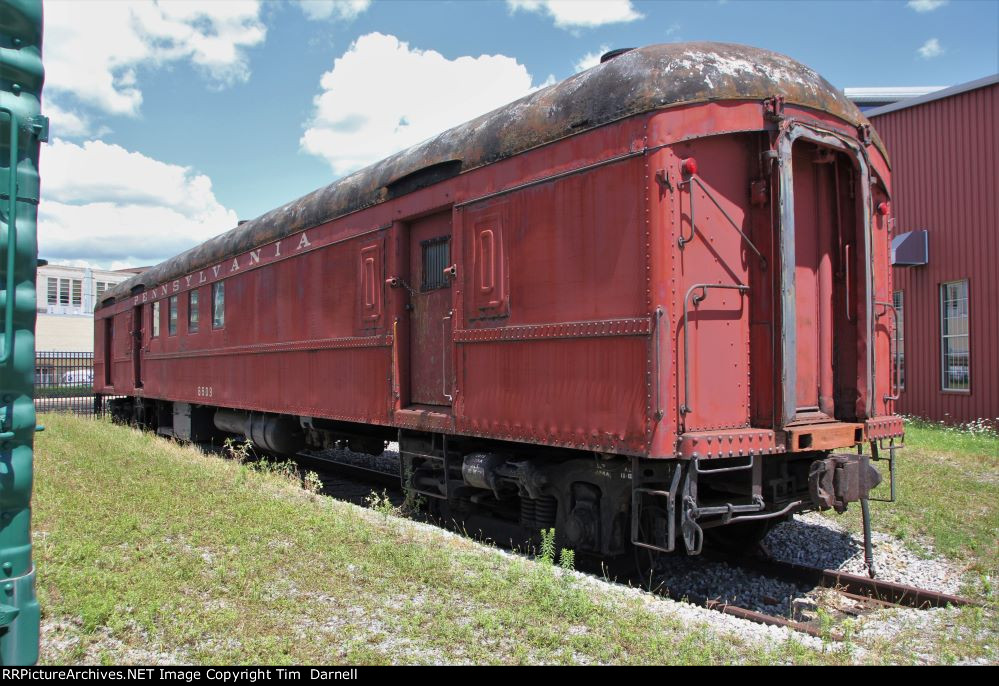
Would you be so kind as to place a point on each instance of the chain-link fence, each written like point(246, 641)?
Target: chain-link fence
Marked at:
point(64, 382)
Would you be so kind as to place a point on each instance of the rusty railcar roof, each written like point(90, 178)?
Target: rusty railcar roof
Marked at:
point(641, 80)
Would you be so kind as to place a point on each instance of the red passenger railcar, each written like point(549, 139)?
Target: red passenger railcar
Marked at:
point(650, 299)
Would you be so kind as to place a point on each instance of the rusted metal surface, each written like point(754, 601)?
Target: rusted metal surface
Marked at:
point(729, 443)
point(641, 80)
point(946, 152)
point(883, 427)
point(563, 322)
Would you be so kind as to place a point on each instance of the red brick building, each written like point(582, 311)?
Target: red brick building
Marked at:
point(944, 150)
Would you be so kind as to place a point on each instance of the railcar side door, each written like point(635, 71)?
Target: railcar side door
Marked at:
point(431, 375)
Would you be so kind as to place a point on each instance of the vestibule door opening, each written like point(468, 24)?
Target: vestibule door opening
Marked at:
point(825, 278)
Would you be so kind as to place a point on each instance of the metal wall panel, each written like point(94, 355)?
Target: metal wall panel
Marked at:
point(945, 156)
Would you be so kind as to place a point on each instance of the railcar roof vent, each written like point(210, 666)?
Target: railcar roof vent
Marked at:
point(611, 54)
point(423, 177)
point(138, 288)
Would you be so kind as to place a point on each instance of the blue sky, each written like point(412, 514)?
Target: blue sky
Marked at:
point(172, 120)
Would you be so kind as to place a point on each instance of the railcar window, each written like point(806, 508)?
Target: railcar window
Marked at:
point(218, 305)
point(436, 258)
point(956, 367)
point(172, 317)
point(192, 312)
point(898, 299)
point(156, 319)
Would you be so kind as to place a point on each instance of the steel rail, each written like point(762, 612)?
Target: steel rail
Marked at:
point(888, 592)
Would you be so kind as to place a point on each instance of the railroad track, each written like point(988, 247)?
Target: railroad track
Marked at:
point(862, 591)
point(351, 471)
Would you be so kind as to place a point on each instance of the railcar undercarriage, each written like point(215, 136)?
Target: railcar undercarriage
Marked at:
point(598, 504)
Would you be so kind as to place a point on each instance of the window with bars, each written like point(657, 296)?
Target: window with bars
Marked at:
point(101, 287)
point(436, 258)
point(172, 316)
point(156, 319)
point(954, 339)
point(192, 311)
point(218, 305)
point(53, 291)
point(898, 299)
point(77, 287)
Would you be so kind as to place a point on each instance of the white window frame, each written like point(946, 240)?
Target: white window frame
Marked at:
point(898, 300)
point(944, 336)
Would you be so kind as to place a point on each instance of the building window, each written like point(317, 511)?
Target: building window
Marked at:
point(192, 311)
point(65, 292)
point(172, 316)
point(101, 287)
point(156, 319)
point(898, 299)
point(218, 305)
point(956, 371)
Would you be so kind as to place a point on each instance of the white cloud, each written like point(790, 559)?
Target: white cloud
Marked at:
point(336, 9)
point(419, 93)
point(68, 124)
point(95, 49)
point(570, 14)
point(930, 49)
point(926, 5)
point(590, 59)
point(104, 205)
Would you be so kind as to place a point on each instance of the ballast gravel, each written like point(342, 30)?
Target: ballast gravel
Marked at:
point(810, 539)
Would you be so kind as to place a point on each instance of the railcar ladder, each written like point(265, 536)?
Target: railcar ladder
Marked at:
point(406, 458)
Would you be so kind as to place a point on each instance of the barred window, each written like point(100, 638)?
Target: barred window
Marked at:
point(898, 299)
point(192, 311)
point(53, 291)
point(436, 258)
point(172, 316)
point(101, 287)
point(955, 354)
point(77, 286)
point(218, 305)
point(156, 319)
point(63, 291)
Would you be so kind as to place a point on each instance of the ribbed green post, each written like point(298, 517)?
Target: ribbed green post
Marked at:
point(22, 129)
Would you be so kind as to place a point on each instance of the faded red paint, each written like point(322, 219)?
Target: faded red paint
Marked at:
point(555, 334)
point(945, 156)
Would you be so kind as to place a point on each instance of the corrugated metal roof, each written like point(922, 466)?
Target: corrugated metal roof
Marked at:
point(878, 94)
point(936, 95)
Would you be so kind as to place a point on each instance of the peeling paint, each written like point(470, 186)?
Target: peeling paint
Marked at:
point(639, 81)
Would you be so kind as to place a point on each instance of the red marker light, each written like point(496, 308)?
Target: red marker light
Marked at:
point(883, 208)
point(689, 166)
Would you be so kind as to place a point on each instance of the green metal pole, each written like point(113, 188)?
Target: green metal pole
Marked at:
point(22, 129)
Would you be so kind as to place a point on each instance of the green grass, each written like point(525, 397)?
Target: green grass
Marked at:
point(947, 483)
point(148, 551)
